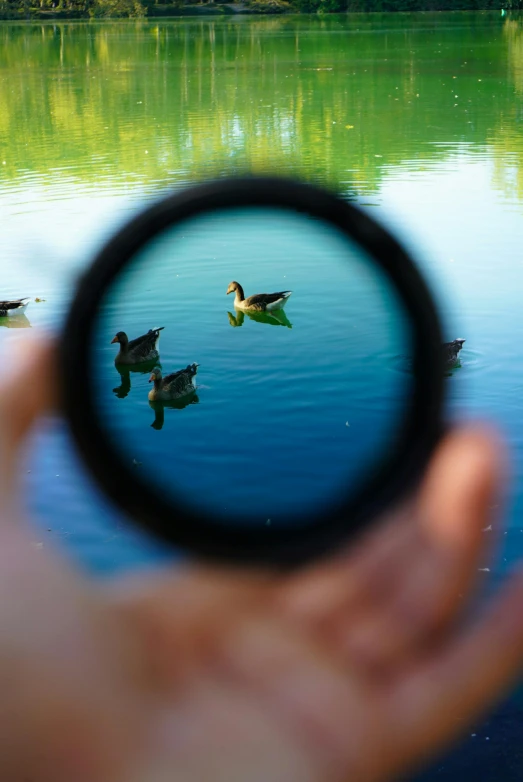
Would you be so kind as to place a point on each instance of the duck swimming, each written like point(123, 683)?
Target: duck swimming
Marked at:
point(173, 386)
point(451, 352)
point(11, 307)
point(144, 348)
point(260, 302)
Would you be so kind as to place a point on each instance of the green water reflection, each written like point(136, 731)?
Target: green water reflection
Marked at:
point(341, 98)
point(420, 114)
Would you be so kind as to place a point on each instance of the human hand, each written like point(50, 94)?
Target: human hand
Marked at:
point(353, 669)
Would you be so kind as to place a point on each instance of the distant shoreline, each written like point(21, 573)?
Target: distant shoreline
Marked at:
point(150, 10)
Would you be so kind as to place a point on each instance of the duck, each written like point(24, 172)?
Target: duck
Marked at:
point(260, 302)
point(451, 352)
point(144, 348)
point(11, 307)
point(173, 386)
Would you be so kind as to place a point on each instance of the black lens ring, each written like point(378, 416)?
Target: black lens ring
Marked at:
point(190, 530)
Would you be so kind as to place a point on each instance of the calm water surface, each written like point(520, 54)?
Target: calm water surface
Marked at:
point(419, 117)
point(290, 406)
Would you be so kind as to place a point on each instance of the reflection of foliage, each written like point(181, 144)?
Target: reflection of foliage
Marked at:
point(160, 102)
point(513, 30)
point(507, 139)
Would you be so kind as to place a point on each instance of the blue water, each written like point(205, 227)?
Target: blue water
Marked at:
point(473, 266)
point(285, 419)
point(448, 183)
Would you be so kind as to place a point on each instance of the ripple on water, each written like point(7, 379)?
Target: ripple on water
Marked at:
point(470, 360)
point(473, 360)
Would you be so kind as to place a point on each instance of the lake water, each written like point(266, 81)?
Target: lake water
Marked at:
point(292, 405)
point(418, 117)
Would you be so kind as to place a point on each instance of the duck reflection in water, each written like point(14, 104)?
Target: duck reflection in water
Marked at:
point(20, 322)
point(451, 359)
point(123, 389)
point(176, 404)
point(275, 318)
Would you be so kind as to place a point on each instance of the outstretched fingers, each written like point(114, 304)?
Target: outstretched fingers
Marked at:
point(454, 507)
point(405, 582)
point(461, 680)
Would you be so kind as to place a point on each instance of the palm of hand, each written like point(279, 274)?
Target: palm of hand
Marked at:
point(352, 670)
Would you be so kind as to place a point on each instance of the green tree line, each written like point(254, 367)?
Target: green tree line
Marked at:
point(76, 9)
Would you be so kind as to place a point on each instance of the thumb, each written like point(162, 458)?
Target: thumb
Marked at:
point(26, 391)
point(456, 503)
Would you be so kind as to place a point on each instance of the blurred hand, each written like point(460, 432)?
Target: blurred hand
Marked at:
point(353, 669)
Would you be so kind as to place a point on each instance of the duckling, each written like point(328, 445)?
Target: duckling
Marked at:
point(173, 386)
point(144, 348)
point(451, 352)
point(12, 307)
point(260, 302)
